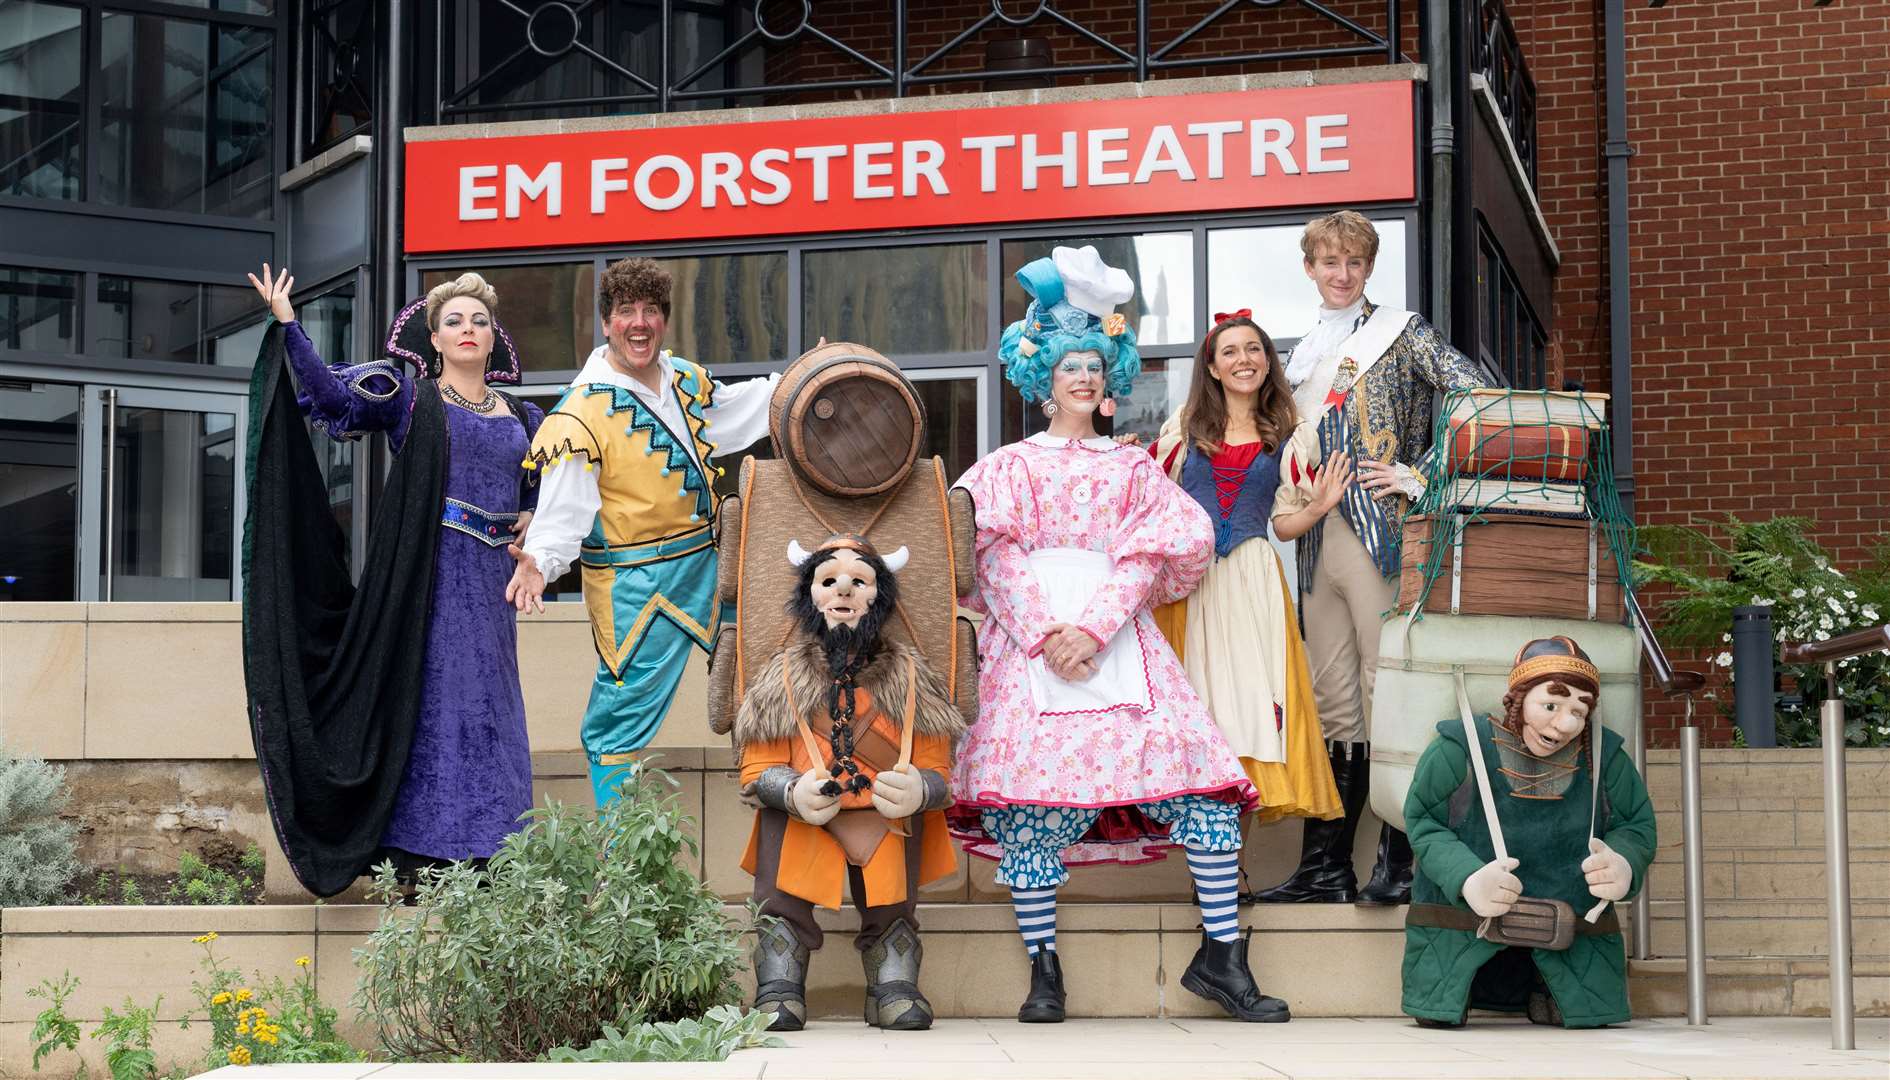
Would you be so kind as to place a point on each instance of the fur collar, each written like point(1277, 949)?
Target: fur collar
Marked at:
point(764, 711)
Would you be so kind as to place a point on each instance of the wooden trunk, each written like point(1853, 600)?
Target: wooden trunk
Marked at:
point(847, 420)
point(1514, 565)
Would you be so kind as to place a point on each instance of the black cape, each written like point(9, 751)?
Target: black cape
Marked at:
point(333, 668)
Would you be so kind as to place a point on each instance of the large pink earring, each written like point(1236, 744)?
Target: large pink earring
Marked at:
point(1108, 407)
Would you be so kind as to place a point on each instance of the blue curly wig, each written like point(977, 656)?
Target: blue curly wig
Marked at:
point(1031, 374)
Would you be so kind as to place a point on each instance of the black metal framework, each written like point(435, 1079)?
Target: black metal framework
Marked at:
point(338, 57)
point(543, 33)
point(1510, 337)
point(1496, 54)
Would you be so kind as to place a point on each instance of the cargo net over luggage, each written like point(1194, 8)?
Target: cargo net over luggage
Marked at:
point(1540, 463)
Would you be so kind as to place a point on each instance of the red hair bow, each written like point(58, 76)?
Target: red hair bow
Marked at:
point(1222, 316)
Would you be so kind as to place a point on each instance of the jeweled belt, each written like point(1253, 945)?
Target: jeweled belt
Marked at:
point(483, 525)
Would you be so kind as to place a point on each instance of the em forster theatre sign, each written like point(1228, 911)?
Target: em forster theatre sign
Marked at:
point(1340, 144)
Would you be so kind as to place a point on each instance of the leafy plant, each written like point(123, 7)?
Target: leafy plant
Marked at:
point(200, 883)
point(127, 1039)
point(721, 1031)
point(36, 848)
point(1776, 563)
point(578, 921)
point(52, 1028)
point(281, 1023)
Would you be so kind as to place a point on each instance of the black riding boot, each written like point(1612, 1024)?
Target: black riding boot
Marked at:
point(1044, 1004)
point(1325, 874)
point(1219, 973)
point(1391, 874)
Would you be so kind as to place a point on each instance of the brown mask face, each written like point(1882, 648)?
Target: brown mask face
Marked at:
point(843, 588)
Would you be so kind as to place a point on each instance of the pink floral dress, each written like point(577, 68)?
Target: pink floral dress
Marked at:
point(1120, 750)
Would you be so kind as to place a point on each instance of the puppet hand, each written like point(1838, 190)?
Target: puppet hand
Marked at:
point(1607, 870)
point(808, 803)
point(898, 793)
point(1493, 890)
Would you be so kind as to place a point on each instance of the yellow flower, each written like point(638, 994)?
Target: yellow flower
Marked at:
point(303, 961)
point(239, 1055)
point(222, 998)
point(244, 994)
point(267, 1036)
point(205, 939)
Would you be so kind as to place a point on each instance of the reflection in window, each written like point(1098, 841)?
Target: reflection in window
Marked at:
point(899, 301)
point(1510, 338)
point(1160, 264)
point(338, 51)
point(951, 422)
point(1262, 268)
point(186, 116)
point(1159, 391)
point(174, 490)
point(42, 108)
point(729, 308)
point(328, 320)
point(38, 310)
point(39, 490)
point(140, 319)
point(548, 310)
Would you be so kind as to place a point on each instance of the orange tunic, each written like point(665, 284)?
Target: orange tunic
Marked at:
point(813, 865)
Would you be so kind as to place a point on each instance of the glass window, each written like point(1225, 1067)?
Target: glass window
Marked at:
point(338, 46)
point(42, 109)
point(39, 310)
point(899, 301)
point(729, 308)
point(173, 490)
point(328, 320)
point(39, 490)
point(549, 310)
point(951, 421)
point(186, 121)
point(1262, 268)
point(246, 7)
point(1160, 264)
point(180, 321)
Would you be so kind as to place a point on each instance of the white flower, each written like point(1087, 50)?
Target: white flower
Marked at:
point(1758, 601)
point(1825, 623)
point(1835, 606)
point(1849, 595)
point(1725, 637)
point(1798, 594)
point(1870, 614)
point(1723, 659)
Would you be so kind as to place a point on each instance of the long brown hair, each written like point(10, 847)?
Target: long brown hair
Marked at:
point(1205, 415)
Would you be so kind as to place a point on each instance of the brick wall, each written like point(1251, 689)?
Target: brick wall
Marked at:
point(1760, 218)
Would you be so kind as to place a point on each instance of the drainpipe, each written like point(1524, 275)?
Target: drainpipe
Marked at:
point(1616, 150)
point(390, 110)
point(1439, 26)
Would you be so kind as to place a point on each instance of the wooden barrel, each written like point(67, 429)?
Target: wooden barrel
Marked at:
point(847, 420)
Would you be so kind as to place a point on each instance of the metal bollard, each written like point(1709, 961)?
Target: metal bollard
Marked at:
point(1695, 874)
point(1753, 707)
point(1643, 930)
point(1837, 863)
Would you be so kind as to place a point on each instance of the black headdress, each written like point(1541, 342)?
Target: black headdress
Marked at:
point(410, 339)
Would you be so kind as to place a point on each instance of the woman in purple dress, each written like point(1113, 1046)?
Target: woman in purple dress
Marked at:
point(387, 714)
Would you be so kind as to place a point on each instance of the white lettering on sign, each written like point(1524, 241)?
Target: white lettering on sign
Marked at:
point(987, 147)
point(471, 191)
point(917, 168)
point(602, 183)
point(547, 185)
point(1318, 142)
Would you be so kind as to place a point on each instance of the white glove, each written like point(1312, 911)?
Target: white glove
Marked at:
point(809, 804)
point(1493, 890)
point(898, 793)
point(1609, 875)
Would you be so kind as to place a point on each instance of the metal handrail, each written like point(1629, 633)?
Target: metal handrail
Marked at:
point(1837, 826)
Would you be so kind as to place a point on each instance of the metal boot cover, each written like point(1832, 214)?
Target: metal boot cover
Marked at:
point(893, 1000)
point(780, 976)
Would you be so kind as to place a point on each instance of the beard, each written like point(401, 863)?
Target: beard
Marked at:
point(853, 645)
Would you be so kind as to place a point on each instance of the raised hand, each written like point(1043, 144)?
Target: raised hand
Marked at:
point(275, 292)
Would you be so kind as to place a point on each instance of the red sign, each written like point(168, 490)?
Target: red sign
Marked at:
point(1336, 145)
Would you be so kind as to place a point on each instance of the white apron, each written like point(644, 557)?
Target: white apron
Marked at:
point(1069, 578)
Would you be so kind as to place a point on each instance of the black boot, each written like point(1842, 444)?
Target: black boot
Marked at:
point(1391, 874)
point(1044, 1004)
point(1325, 874)
point(780, 976)
point(1219, 973)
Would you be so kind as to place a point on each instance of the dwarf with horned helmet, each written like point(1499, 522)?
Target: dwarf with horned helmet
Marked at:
point(845, 741)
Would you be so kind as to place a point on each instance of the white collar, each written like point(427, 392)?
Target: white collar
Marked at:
point(1350, 311)
point(1097, 442)
point(598, 369)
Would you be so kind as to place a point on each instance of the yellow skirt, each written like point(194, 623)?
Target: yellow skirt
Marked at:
point(1238, 638)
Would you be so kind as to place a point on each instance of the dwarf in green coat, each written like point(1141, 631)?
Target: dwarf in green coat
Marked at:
point(1568, 838)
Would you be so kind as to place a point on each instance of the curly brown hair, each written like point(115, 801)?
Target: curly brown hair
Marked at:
point(630, 280)
point(1205, 415)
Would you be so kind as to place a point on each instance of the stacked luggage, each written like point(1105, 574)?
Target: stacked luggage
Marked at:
point(1519, 535)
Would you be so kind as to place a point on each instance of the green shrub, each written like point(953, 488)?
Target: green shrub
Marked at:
point(278, 1023)
point(1714, 569)
point(578, 921)
point(127, 1039)
point(722, 1031)
point(52, 1028)
point(36, 847)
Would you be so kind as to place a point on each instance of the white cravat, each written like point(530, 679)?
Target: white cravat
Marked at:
point(1335, 325)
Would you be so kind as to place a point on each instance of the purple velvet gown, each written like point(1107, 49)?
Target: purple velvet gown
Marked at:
point(469, 774)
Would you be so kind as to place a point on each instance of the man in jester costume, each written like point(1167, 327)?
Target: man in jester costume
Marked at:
point(845, 740)
point(1513, 915)
point(627, 497)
